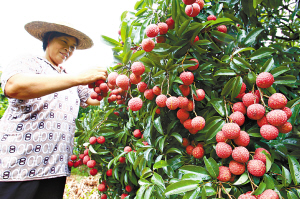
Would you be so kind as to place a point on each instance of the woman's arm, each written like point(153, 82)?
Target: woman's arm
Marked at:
point(92, 102)
point(27, 86)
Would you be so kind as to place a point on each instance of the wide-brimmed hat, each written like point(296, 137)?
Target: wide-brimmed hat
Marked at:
point(39, 28)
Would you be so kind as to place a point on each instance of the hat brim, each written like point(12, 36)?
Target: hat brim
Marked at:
point(39, 28)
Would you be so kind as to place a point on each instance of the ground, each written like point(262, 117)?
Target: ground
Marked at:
point(81, 187)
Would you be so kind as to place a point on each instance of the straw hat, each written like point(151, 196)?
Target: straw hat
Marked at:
point(39, 28)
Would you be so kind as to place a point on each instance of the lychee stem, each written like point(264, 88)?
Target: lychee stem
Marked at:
point(226, 113)
point(225, 190)
point(261, 97)
point(251, 182)
point(161, 87)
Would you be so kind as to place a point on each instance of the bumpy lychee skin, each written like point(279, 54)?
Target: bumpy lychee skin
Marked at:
point(224, 174)
point(201, 3)
point(161, 100)
point(187, 78)
point(163, 28)
point(189, 149)
point(198, 123)
point(170, 22)
point(172, 103)
point(288, 112)
point(237, 117)
point(256, 168)
point(137, 133)
point(236, 168)
point(240, 154)
point(183, 102)
point(188, 2)
point(243, 88)
point(198, 152)
point(277, 101)
point(138, 68)
point(190, 106)
point(269, 194)
point(223, 29)
point(285, 128)
point(185, 90)
point(182, 114)
point(135, 103)
point(258, 155)
point(211, 17)
point(264, 80)
point(122, 81)
point(188, 124)
point(152, 30)
point(243, 139)
point(231, 130)
point(249, 98)
point(262, 121)
point(135, 79)
point(255, 111)
point(101, 139)
point(193, 68)
point(148, 45)
point(185, 142)
point(149, 95)
point(111, 78)
point(239, 106)
point(156, 90)
point(246, 196)
point(277, 117)
point(200, 95)
point(142, 86)
point(220, 137)
point(192, 10)
point(223, 150)
point(269, 132)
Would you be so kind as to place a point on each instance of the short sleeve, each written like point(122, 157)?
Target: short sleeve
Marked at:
point(84, 93)
point(26, 64)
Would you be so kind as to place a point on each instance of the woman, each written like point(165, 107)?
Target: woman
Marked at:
point(37, 129)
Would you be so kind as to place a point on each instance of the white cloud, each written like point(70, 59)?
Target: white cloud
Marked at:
point(93, 17)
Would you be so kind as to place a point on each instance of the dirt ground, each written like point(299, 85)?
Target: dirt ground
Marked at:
point(80, 187)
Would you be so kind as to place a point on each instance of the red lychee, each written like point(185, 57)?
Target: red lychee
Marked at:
point(256, 168)
point(198, 123)
point(188, 2)
point(277, 101)
point(240, 154)
point(288, 112)
point(185, 90)
point(172, 103)
point(201, 3)
point(222, 28)
point(285, 128)
point(189, 149)
point(255, 111)
point(239, 106)
point(224, 174)
point(185, 142)
point(243, 88)
point(137, 133)
point(148, 45)
point(135, 79)
point(163, 28)
point(243, 139)
point(127, 149)
point(200, 95)
point(101, 187)
point(182, 114)
point(236, 168)
point(149, 95)
point(111, 78)
point(152, 30)
point(91, 163)
point(220, 137)
point(246, 196)
point(250, 98)
point(190, 106)
point(93, 172)
point(262, 121)
point(156, 90)
point(193, 68)
point(198, 152)
point(231, 130)
point(269, 194)
point(211, 17)
point(170, 22)
point(258, 155)
point(122, 160)
point(161, 100)
point(187, 78)
point(138, 68)
point(135, 103)
point(122, 81)
point(237, 117)
point(124, 195)
point(142, 86)
point(277, 117)
point(101, 139)
point(73, 157)
point(128, 188)
point(188, 124)
point(183, 102)
point(223, 150)
point(192, 10)
point(93, 140)
point(264, 80)
point(269, 132)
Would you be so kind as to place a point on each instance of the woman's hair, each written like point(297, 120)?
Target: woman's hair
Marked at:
point(51, 35)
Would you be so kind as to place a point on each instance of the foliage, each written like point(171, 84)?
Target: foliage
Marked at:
point(3, 101)
point(265, 41)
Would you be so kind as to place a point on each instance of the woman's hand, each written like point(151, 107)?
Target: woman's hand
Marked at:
point(92, 75)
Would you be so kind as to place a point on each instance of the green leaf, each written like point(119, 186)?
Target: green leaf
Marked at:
point(173, 150)
point(279, 70)
point(183, 27)
point(181, 187)
point(291, 195)
point(236, 87)
point(177, 136)
point(226, 72)
point(261, 53)
point(294, 169)
point(141, 11)
point(268, 65)
point(197, 170)
point(109, 41)
point(228, 87)
point(242, 50)
point(286, 177)
point(242, 63)
point(251, 37)
point(218, 106)
point(211, 166)
point(262, 186)
point(288, 79)
point(242, 179)
point(269, 182)
point(160, 164)
point(137, 55)
point(157, 125)
point(157, 180)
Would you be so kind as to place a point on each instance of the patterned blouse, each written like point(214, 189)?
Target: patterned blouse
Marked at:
point(37, 135)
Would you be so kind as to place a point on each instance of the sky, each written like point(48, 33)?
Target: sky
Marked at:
point(92, 17)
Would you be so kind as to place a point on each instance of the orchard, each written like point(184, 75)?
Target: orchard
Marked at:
point(203, 101)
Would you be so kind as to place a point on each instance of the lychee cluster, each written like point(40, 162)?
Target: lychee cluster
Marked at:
point(100, 89)
point(196, 150)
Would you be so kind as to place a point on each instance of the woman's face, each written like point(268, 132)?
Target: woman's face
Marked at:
point(60, 49)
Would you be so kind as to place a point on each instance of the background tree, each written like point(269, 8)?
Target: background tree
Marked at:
point(218, 57)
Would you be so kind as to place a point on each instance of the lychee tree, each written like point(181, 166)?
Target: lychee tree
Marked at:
point(203, 102)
